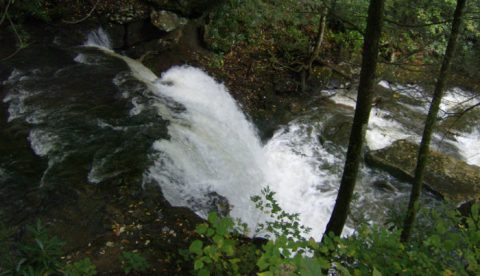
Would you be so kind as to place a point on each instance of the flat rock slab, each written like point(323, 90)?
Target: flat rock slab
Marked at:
point(451, 178)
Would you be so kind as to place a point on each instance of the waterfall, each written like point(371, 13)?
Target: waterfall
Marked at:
point(98, 38)
point(214, 149)
point(100, 121)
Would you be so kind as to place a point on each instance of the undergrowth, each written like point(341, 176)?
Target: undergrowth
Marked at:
point(448, 245)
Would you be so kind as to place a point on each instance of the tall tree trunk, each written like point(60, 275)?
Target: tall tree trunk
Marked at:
point(307, 67)
point(423, 151)
point(360, 120)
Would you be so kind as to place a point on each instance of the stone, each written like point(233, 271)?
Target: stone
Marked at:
point(465, 209)
point(451, 178)
point(167, 21)
point(218, 203)
point(140, 31)
point(337, 128)
point(116, 33)
point(384, 186)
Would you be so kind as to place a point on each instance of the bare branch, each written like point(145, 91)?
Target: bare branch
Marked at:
point(20, 41)
point(84, 18)
point(5, 12)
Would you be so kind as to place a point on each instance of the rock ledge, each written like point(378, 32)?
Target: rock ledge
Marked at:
point(451, 178)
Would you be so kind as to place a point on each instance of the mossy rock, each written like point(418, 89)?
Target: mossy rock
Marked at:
point(451, 178)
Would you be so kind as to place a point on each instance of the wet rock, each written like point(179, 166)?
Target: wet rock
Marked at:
point(218, 203)
point(384, 186)
point(167, 21)
point(126, 14)
point(144, 50)
point(337, 128)
point(446, 176)
point(140, 31)
point(466, 208)
point(116, 33)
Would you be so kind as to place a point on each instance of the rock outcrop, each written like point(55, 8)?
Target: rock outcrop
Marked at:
point(167, 21)
point(451, 178)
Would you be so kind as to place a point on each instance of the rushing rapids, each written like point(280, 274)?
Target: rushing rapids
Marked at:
point(184, 132)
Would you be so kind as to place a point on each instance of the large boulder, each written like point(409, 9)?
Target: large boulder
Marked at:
point(446, 176)
point(167, 21)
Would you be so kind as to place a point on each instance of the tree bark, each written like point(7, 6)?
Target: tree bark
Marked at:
point(360, 121)
point(307, 68)
point(423, 151)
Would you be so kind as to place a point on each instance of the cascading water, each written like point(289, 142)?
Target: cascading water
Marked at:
point(184, 132)
point(213, 148)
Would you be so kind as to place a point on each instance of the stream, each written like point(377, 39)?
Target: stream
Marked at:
point(90, 115)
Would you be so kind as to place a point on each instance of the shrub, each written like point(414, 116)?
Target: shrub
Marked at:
point(447, 244)
point(133, 262)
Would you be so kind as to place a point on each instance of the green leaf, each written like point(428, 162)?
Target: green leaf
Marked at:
point(201, 228)
point(198, 265)
point(229, 247)
point(475, 211)
point(309, 266)
point(223, 227)
point(376, 272)
point(213, 218)
point(203, 272)
point(343, 270)
point(218, 240)
point(210, 232)
point(196, 247)
point(266, 273)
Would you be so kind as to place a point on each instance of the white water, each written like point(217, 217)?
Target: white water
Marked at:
point(454, 100)
point(382, 130)
point(214, 148)
point(469, 146)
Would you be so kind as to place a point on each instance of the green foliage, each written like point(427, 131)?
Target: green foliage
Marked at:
point(281, 223)
point(445, 244)
point(133, 262)
point(7, 260)
point(217, 254)
point(37, 253)
point(415, 31)
point(24, 9)
point(84, 267)
point(233, 22)
point(285, 254)
point(40, 254)
point(284, 29)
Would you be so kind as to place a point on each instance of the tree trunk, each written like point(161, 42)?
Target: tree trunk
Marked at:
point(360, 121)
point(422, 156)
point(307, 67)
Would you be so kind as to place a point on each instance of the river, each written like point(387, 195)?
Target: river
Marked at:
point(89, 115)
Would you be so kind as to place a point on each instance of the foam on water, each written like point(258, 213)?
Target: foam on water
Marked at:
point(469, 146)
point(212, 147)
point(98, 38)
point(301, 172)
point(456, 99)
point(382, 130)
